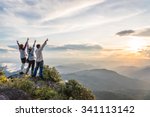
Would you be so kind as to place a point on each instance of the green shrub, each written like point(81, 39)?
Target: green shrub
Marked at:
point(1, 73)
point(75, 90)
point(51, 74)
point(23, 84)
point(3, 78)
point(46, 93)
point(61, 88)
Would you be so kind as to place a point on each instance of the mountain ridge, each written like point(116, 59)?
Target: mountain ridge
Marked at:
point(142, 74)
point(111, 79)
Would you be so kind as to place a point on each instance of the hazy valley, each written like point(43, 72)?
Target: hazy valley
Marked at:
point(108, 84)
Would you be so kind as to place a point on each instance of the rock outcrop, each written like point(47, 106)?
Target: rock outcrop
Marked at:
point(13, 94)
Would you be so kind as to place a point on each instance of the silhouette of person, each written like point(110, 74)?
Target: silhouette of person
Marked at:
point(31, 58)
point(39, 59)
point(23, 54)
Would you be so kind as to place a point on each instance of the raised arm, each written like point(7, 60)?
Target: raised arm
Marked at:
point(34, 43)
point(18, 43)
point(43, 45)
point(26, 44)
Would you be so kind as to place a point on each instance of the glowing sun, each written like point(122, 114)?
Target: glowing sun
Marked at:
point(136, 44)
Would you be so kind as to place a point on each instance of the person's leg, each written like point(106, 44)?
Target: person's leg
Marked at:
point(41, 69)
point(22, 67)
point(29, 65)
point(36, 69)
point(23, 60)
point(32, 69)
point(27, 70)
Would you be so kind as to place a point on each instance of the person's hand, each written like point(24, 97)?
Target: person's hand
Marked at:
point(46, 39)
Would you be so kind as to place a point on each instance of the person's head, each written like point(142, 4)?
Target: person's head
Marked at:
point(21, 46)
point(30, 48)
point(38, 46)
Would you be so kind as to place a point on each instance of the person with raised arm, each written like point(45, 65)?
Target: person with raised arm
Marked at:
point(39, 59)
point(31, 58)
point(22, 50)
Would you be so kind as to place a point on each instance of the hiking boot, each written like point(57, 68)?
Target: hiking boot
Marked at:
point(21, 73)
point(41, 77)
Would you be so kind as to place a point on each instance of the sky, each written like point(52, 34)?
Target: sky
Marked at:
point(101, 32)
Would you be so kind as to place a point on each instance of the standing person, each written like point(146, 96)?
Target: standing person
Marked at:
point(22, 51)
point(31, 58)
point(39, 59)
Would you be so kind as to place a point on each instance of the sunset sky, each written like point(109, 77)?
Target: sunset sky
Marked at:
point(101, 32)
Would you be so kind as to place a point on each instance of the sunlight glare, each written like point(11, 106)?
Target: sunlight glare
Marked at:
point(136, 44)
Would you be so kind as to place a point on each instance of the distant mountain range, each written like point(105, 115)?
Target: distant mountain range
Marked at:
point(103, 79)
point(142, 74)
point(71, 68)
point(126, 70)
point(135, 72)
point(107, 84)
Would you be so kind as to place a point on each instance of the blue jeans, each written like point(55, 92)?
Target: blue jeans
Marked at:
point(39, 65)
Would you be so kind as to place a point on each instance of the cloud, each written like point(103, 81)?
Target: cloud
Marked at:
point(80, 47)
point(31, 2)
point(145, 32)
point(125, 32)
point(90, 17)
point(15, 47)
point(42, 18)
point(69, 8)
point(145, 51)
point(26, 17)
point(5, 49)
